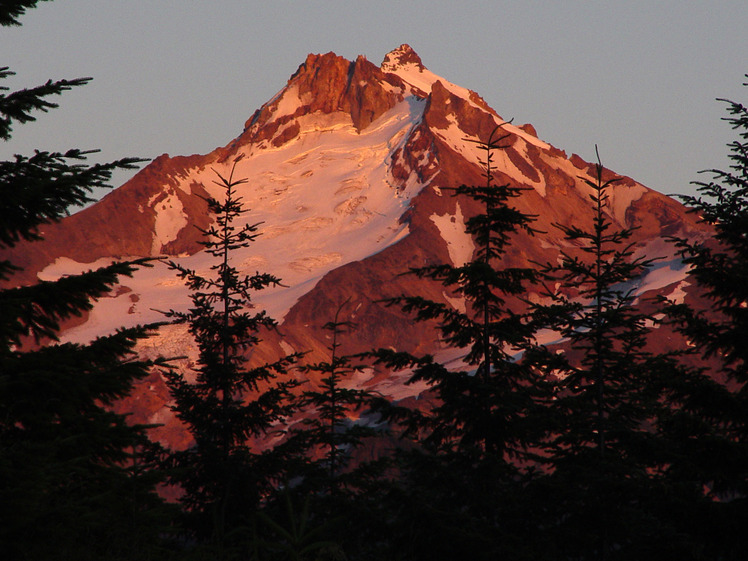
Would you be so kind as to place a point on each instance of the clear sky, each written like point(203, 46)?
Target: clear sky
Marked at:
point(637, 78)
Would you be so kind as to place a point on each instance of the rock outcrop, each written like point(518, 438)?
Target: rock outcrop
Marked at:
point(348, 168)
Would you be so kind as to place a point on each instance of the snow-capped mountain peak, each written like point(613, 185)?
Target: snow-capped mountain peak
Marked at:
point(347, 169)
point(400, 58)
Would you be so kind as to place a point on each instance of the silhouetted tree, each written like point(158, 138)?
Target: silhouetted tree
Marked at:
point(334, 483)
point(75, 481)
point(606, 488)
point(712, 425)
point(13, 9)
point(329, 430)
point(224, 478)
point(462, 484)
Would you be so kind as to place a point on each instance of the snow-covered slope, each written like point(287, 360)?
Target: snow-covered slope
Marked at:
point(325, 198)
point(348, 169)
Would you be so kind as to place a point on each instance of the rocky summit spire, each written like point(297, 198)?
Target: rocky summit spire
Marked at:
point(402, 56)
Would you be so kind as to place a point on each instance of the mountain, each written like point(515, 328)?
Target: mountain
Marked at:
point(346, 169)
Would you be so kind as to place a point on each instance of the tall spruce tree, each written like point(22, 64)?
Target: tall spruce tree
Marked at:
point(74, 482)
point(329, 434)
point(333, 484)
point(607, 489)
point(223, 477)
point(463, 482)
point(712, 426)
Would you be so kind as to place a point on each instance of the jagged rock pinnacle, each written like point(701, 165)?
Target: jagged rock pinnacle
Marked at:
point(400, 57)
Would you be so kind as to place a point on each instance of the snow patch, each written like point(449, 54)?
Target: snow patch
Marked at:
point(423, 79)
point(540, 184)
point(170, 219)
point(460, 142)
point(621, 198)
point(458, 304)
point(452, 229)
point(287, 348)
point(678, 295)
point(348, 209)
point(287, 104)
point(530, 139)
point(397, 388)
point(664, 274)
point(308, 264)
point(63, 266)
point(467, 146)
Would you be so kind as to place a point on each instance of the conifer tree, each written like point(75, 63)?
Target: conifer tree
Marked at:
point(712, 425)
point(13, 9)
point(606, 488)
point(329, 431)
point(75, 481)
point(327, 503)
point(465, 478)
point(223, 477)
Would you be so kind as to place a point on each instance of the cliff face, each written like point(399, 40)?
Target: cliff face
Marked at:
point(327, 84)
point(348, 168)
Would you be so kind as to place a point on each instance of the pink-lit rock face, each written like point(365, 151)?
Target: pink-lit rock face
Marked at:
point(348, 169)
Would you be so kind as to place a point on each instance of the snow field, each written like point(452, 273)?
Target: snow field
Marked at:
point(324, 199)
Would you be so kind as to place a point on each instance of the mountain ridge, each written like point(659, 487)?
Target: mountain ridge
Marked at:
point(348, 168)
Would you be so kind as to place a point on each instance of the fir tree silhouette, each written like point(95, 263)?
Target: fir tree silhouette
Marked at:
point(230, 401)
point(463, 479)
point(76, 480)
point(709, 424)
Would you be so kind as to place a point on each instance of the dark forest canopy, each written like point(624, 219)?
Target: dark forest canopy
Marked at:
point(595, 449)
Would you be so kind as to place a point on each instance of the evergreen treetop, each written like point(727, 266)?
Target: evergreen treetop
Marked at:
point(75, 481)
point(721, 268)
point(13, 9)
point(483, 409)
point(608, 492)
point(474, 450)
point(709, 423)
point(230, 402)
point(329, 430)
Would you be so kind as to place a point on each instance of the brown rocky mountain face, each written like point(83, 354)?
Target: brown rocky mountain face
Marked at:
point(349, 169)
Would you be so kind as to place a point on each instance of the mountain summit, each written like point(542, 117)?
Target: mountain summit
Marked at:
point(401, 57)
point(345, 168)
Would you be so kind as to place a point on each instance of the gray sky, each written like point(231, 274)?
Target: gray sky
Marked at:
point(637, 78)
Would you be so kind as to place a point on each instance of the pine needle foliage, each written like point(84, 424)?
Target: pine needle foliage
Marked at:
point(76, 480)
point(329, 431)
point(14, 9)
point(610, 397)
point(712, 403)
point(602, 321)
point(230, 402)
point(722, 267)
point(474, 447)
point(18, 106)
point(483, 409)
